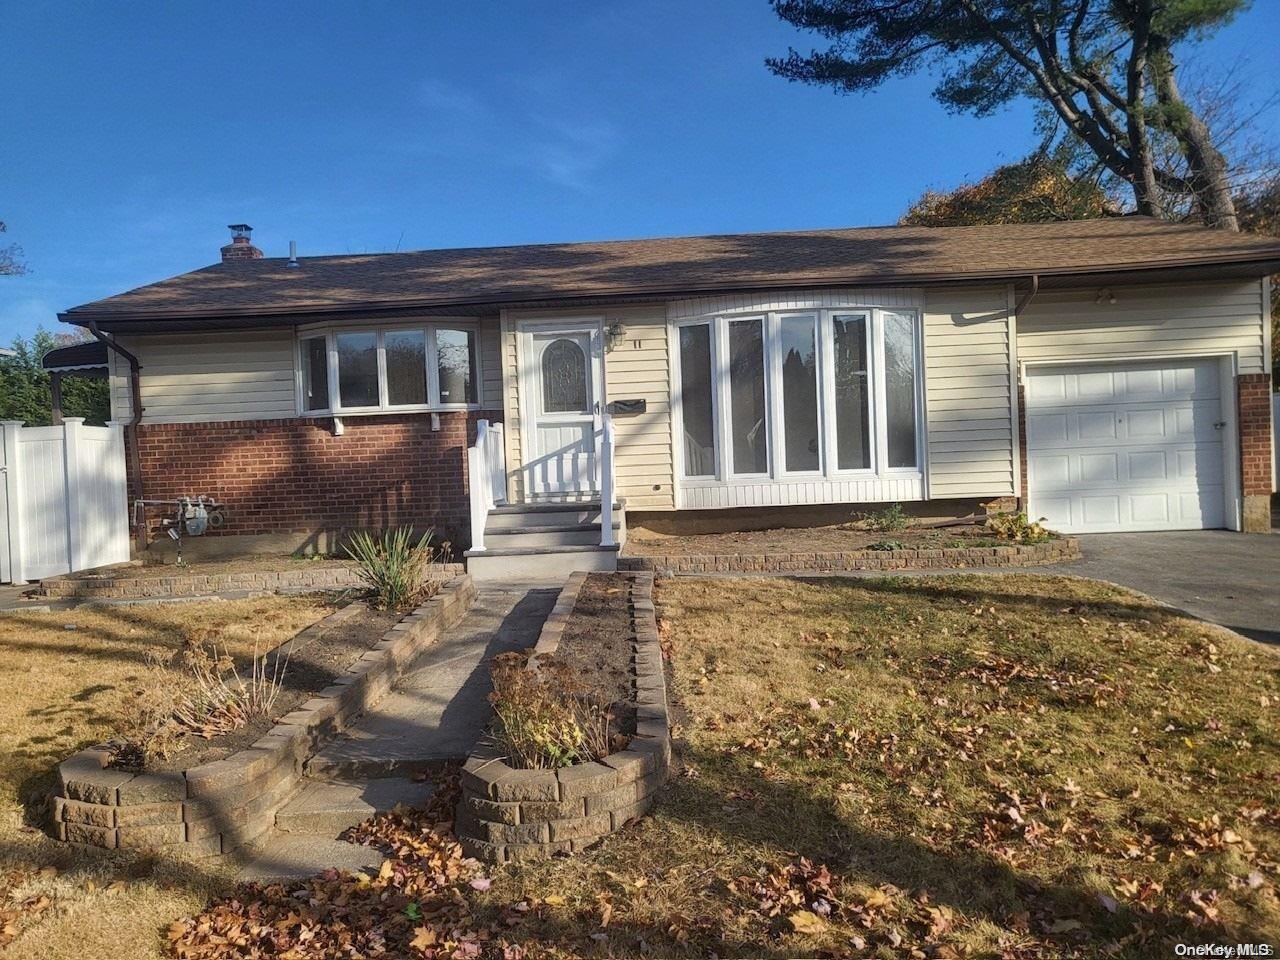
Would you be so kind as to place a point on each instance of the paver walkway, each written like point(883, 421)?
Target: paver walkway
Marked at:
point(435, 713)
point(440, 706)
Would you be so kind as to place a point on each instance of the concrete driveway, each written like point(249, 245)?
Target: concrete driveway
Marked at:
point(1232, 579)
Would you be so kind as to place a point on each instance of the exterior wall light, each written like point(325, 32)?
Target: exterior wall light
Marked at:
point(614, 333)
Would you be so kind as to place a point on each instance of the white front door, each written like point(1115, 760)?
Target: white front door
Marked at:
point(563, 404)
point(1134, 446)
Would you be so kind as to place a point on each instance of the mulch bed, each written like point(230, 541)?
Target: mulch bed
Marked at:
point(838, 539)
point(313, 664)
point(596, 643)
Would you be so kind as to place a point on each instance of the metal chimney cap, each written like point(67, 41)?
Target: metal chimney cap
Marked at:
point(240, 229)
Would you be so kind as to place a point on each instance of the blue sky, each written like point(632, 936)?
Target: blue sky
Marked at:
point(134, 132)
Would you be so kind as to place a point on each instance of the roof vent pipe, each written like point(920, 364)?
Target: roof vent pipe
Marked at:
point(293, 254)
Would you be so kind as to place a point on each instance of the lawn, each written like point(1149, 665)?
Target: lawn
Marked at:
point(67, 681)
point(983, 766)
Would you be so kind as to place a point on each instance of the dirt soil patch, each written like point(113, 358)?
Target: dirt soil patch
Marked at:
point(836, 539)
point(596, 643)
point(310, 664)
point(264, 564)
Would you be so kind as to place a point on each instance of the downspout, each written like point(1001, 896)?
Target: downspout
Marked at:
point(131, 435)
point(1028, 296)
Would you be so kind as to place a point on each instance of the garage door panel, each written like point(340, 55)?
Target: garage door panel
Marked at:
point(1147, 465)
point(1126, 448)
point(1149, 508)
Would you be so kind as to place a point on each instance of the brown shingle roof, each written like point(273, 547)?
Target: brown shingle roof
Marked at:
point(676, 265)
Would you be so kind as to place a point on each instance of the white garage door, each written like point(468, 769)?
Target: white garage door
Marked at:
point(1126, 447)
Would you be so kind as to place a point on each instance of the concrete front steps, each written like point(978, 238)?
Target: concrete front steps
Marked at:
point(545, 541)
point(324, 808)
point(305, 839)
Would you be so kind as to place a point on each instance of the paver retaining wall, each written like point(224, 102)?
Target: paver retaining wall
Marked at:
point(219, 806)
point(509, 815)
point(942, 558)
point(118, 585)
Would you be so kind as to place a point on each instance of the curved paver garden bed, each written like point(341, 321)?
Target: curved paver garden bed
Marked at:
point(117, 584)
point(217, 807)
point(508, 815)
point(940, 558)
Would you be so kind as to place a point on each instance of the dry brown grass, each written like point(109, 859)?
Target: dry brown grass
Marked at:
point(990, 766)
point(62, 689)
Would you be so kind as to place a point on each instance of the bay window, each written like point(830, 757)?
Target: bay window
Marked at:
point(406, 353)
point(798, 353)
point(900, 387)
point(357, 369)
point(850, 370)
point(392, 369)
point(748, 416)
point(696, 403)
point(455, 364)
point(315, 374)
point(799, 394)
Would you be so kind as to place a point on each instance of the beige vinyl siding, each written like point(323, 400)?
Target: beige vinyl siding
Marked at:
point(490, 364)
point(969, 401)
point(1147, 321)
point(509, 349)
point(637, 368)
point(199, 378)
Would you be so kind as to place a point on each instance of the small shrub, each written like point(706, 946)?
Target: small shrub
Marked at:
point(1017, 528)
point(544, 721)
point(887, 545)
point(392, 565)
point(888, 520)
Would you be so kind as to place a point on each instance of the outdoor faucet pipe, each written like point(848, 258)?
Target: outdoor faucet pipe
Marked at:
point(131, 435)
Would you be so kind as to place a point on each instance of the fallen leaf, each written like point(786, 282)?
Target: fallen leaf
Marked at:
point(804, 921)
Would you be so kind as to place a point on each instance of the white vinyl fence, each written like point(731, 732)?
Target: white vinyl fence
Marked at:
point(63, 501)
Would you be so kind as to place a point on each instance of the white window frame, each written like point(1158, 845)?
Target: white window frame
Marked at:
point(677, 402)
point(830, 436)
point(725, 387)
point(877, 392)
point(432, 373)
point(777, 413)
point(882, 394)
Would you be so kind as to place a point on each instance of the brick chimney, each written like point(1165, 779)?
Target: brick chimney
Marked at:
point(240, 247)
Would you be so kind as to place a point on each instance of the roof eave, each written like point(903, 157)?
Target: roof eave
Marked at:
point(1251, 264)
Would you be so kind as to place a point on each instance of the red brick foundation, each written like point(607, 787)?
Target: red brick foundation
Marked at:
point(1253, 407)
point(295, 476)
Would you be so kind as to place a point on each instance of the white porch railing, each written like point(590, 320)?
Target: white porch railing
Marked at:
point(487, 474)
point(607, 483)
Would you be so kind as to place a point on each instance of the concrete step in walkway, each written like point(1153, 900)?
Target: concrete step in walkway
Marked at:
point(324, 808)
point(439, 708)
point(289, 856)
